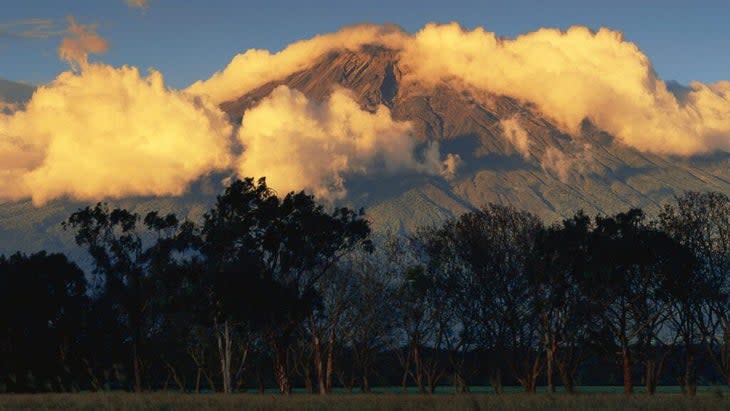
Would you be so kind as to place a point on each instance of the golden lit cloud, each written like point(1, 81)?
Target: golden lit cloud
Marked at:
point(104, 132)
point(299, 144)
point(570, 76)
point(575, 75)
point(109, 132)
point(255, 67)
point(80, 41)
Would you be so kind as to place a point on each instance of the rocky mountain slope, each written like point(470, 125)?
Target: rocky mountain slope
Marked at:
point(555, 175)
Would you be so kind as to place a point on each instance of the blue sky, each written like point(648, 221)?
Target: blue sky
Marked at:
point(188, 40)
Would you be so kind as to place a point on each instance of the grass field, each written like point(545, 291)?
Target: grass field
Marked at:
point(395, 402)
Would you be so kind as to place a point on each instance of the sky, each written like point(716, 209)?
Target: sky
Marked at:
point(190, 40)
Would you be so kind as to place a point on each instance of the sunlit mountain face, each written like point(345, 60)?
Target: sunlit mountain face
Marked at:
point(416, 128)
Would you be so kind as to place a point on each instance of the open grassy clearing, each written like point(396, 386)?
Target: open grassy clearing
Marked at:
point(473, 402)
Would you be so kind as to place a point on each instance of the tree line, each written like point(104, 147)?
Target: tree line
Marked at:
point(279, 291)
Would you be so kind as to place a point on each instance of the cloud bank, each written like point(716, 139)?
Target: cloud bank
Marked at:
point(299, 144)
point(109, 132)
point(570, 76)
point(105, 132)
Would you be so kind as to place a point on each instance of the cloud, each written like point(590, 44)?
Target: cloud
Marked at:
point(255, 67)
point(109, 132)
point(30, 29)
point(300, 144)
point(100, 131)
point(141, 4)
point(451, 165)
point(576, 161)
point(516, 135)
point(569, 75)
point(575, 75)
point(80, 41)
point(556, 162)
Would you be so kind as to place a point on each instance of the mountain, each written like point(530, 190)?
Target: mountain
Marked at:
point(556, 174)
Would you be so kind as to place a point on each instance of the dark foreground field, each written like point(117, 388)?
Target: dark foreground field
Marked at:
point(160, 401)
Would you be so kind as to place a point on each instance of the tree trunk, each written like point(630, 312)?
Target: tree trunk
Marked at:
point(318, 362)
point(690, 375)
point(96, 385)
point(260, 380)
point(280, 368)
point(550, 362)
point(330, 367)
point(135, 313)
point(496, 381)
point(365, 384)
point(566, 377)
point(460, 386)
point(176, 377)
point(418, 368)
point(308, 385)
point(406, 370)
point(137, 367)
point(211, 383)
point(628, 383)
point(651, 377)
point(225, 352)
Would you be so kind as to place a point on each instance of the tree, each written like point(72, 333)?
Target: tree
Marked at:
point(556, 268)
point(282, 248)
point(369, 318)
point(325, 323)
point(451, 291)
point(701, 223)
point(492, 246)
point(126, 264)
point(43, 298)
point(630, 267)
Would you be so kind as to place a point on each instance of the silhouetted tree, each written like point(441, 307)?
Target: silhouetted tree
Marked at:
point(556, 268)
point(451, 280)
point(281, 247)
point(492, 246)
point(267, 279)
point(369, 317)
point(631, 263)
point(125, 264)
point(44, 304)
point(701, 222)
